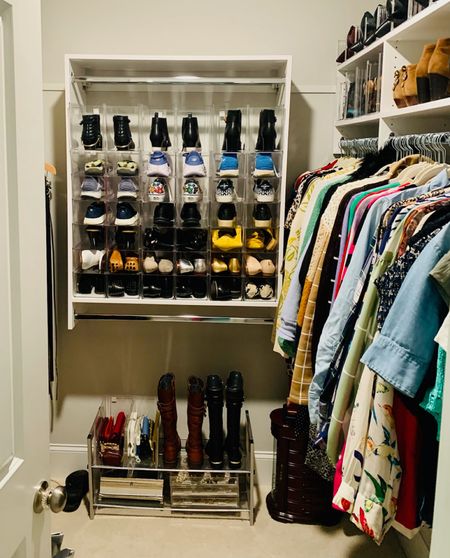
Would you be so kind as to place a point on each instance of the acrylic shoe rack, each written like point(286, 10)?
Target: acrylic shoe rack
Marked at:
point(182, 223)
point(120, 484)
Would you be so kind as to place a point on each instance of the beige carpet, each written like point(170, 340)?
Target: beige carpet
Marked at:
point(136, 537)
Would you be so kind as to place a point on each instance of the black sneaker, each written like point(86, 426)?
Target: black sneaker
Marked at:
point(225, 191)
point(226, 216)
point(262, 215)
point(190, 215)
point(164, 214)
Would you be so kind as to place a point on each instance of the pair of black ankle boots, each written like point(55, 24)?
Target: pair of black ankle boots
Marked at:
point(91, 136)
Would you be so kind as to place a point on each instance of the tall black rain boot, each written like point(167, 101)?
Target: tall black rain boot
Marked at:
point(214, 399)
point(91, 137)
point(234, 398)
point(232, 137)
point(122, 133)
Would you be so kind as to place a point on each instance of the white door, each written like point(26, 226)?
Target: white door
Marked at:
point(24, 409)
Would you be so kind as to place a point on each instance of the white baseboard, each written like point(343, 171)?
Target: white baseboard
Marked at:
point(65, 458)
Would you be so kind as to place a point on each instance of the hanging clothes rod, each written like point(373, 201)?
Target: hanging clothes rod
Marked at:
point(177, 80)
point(431, 145)
point(179, 318)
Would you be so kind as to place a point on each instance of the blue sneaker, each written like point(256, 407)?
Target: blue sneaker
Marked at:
point(126, 214)
point(92, 188)
point(95, 214)
point(264, 166)
point(229, 165)
point(127, 189)
point(158, 164)
point(193, 164)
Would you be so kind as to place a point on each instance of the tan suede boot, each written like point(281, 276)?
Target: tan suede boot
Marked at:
point(422, 79)
point(410, 86)
point(439, 71)
point(397, 88)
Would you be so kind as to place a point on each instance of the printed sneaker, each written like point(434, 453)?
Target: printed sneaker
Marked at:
point(264, 191)
point(226, 216)
point(158, 164)
point(127, 189)
point(225, 191)
point(262, 215)
point(92, 188)
point(126, 214)
point(229, 165)
point(95, 214)
point(193, 164)
point(191, 191)
point(157, 190)
point(264, 166)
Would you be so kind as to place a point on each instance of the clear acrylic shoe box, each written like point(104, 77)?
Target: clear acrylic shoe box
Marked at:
point(130, 479)
point(177, 223)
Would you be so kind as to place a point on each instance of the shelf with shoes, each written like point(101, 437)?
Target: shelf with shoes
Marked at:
point(186, 181)
point(131, 440)
point(415, 88)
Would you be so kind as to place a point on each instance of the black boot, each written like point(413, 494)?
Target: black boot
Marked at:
point(232, 137)
point(122, 133)
point(234, 400)
point(267, 134)
point(91, 136)
point(189, 132)
point(214, 399)
point(159, 133)
point(96, 237)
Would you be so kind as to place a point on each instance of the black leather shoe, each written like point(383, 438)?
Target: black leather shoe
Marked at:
point(226, 216)
point(192, 240)
point(183, 289)
point(199, 287)
point(151, 290)
point(116, 288)
point(262, 215)
point(232, 137)
point(189, 132)
point(166, 287)
point(99, 284)
point(159, 134)
point(190, 215)
point(235, 288)
point(122, 133)
point(267, 134)
point(126, 238)
point(96, 237)
point(85, 283)
point(159, 238)
point(219, 290)
point(91, 137)
point(164, 214)
point(132, 286)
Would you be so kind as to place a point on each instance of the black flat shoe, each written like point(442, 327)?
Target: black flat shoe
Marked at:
point(151, 290)
point(183, 290)
point(219, 291)
point(116, 288)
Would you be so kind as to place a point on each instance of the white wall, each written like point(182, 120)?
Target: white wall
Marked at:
point(98, 358)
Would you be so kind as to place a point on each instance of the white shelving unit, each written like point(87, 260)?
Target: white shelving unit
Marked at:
point(403, 45)
point(177, 84)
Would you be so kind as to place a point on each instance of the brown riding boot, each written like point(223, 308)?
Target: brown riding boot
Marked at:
point(439, 71)
point(168, 409)
point(399, 97)
point(422, 79)
point(195, 414)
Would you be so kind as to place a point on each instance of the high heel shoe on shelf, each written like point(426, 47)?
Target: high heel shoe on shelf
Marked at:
point(439, 71)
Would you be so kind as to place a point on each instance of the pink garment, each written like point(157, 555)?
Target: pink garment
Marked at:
point(338, 479)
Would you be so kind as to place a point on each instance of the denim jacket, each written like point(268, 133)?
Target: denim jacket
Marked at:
point(402, 352)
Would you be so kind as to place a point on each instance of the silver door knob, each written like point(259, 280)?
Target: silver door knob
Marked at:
point(49, 498)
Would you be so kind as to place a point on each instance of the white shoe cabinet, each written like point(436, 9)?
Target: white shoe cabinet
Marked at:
point(139, 87)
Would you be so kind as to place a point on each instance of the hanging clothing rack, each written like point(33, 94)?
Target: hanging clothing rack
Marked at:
point(358, 147)
point(433, 145)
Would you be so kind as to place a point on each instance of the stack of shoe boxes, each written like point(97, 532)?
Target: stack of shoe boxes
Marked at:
point(176, 204)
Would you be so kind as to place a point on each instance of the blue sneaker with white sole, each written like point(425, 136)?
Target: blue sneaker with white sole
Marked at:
point(158, 165)
point(126, 214)
point(95, 214)
point(229, 165)
point(193, 164)
point(127, 188)
point(92, 188)
point(264, 166)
